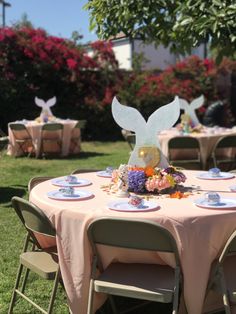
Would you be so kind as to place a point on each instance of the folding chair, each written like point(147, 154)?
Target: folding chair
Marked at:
point(129, 137)
point(184, 146)
point(4, 140)
point(78, 170)
point(43, 262)
point(51, 138)
point(224, 152)
point(223, 275)
point(76, 136)
point(153, 282)
point(22, 138)
point(36, 180)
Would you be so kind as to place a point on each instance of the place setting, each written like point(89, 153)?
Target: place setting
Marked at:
point(213, 200)
point(133, 204)
point(107, 173)
point(215, 174)
point(70, 181)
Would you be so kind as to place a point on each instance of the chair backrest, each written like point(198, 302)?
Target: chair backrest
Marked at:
point(33, 218)
point(132, 234)
point(83, 170)
point(226, 142)
point(183, 142)
point(36, 180)
point(229, 248)
point(52, 127)
point(81, 124)
point(19, 130)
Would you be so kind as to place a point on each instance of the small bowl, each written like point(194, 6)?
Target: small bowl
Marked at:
point(214, 172)
point(135, 201)
point(67, 191)
point(71, 179)
point(109, 170)
point(212, 198)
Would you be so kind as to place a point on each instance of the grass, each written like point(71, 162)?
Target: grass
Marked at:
point(15, 174)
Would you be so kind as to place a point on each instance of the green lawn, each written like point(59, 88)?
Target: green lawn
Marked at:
point(15, 174)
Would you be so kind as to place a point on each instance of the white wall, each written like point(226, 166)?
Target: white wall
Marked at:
point(159, 58)
point(122, 50)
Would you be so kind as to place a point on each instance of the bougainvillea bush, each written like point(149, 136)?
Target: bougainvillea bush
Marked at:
point(32, 63)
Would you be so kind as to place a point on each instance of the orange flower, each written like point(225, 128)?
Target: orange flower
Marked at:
point(137, 168)
point(178, 195)
point(149, 171)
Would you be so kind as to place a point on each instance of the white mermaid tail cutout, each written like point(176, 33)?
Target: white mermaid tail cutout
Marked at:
point(147, 151)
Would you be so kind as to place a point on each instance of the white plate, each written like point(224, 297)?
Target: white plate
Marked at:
point(78, 195)
point(124, 206)
point(64, 182)
point(104, 174)
point(222, 176)
point(225, 203)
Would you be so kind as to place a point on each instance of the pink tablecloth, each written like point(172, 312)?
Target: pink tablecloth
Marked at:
point(207, 140)
point(34, 129)
point(200, 234)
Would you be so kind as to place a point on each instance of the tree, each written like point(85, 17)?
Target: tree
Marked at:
point(179, 24)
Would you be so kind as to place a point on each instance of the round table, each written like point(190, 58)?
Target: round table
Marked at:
point(200, 234)
point(207, 139)
point(34, 129)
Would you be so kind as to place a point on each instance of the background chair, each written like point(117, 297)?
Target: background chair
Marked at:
point(223, 274)
point(184, 150)
point(51, 138)
point(76, 171)
point(224, 152)
point(36, 180)
point(22, 138)
point(76, 136)
point(4, 141)
point(43, 262)
point(153, 282)
point(129, 137)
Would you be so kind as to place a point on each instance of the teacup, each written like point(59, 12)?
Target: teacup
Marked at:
point(68, 190)
point(135, 201)
point(214, 172)
point(212, 198)
point(71, 179)
point(109, 170)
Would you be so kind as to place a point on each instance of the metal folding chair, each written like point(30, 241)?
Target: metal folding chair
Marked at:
point(41, 261)
point(153, 282)
point(51, 138)
point(22, 138)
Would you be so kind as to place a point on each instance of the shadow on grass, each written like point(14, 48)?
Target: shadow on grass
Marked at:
point(6, 194)
point(81, 155)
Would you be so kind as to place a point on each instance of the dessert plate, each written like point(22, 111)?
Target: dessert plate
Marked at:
point(104, 174)
point(124, 206)
point(225, 203)
point(78, 195)
point(221, 176)
point(64, 182)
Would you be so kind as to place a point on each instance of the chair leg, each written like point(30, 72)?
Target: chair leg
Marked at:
point(25, 280)
point(90, 297)
point(224, 293)
point(54, 290)
point(13, 298)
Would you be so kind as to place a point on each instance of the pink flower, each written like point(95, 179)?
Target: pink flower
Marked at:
point(72, 64)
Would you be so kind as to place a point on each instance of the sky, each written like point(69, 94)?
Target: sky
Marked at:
point(58, 17)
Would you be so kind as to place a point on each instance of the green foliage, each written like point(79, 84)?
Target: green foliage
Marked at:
point(181, 25)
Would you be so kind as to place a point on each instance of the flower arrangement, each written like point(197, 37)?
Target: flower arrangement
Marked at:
point(143, 180)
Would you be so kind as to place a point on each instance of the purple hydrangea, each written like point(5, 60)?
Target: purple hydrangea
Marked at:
point(136, 181)
point(179, 177)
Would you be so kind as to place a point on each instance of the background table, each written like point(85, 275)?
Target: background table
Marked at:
point(34, 129)
point(200, 234)
point(207, 140)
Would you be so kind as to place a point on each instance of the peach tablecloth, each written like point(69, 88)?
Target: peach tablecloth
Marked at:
point(34, 129)
point(200, 233)
point(207, 139)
